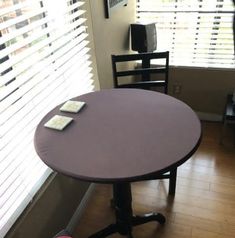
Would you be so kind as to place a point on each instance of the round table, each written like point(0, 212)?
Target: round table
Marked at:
point(121, 136)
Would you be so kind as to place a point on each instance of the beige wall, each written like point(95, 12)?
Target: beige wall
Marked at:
point(204, 90)
point(111, 36)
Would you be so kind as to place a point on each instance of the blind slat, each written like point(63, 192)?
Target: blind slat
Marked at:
point(21, 18)
point(41, 45)
point(31, 14)
point(44, 54)
point(192, 30)
point(33, 25)
point(18, 6)
point(35, 37)
point(47, 65)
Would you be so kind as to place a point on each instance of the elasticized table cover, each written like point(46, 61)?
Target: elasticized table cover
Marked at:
point(120, 135)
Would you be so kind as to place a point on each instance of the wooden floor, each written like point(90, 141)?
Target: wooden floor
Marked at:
point(204, 204)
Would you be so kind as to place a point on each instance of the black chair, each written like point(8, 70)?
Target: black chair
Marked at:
point(145, 82)
point(145, 71)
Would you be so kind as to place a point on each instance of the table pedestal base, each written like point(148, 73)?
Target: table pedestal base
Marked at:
point(124, 216)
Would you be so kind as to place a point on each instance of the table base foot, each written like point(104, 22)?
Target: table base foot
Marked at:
point(124, 229)
point(109, 230)
point(125, 219)
point(138, 220)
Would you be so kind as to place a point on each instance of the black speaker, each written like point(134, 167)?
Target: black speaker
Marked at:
point(143, 37)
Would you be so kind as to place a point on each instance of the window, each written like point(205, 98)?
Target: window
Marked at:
point(44, 60)
point(196, 32)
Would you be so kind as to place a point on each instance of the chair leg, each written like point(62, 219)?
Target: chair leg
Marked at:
point(222, 131)
point(172, 181)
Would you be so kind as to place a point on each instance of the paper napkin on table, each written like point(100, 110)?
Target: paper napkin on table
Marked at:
point(58, 122)
point(72, 106)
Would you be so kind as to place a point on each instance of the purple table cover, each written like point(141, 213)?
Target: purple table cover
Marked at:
point(120, 135)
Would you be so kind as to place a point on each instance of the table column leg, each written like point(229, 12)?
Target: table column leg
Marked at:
point(123, 208)
point(124, 215)
point(172, 181)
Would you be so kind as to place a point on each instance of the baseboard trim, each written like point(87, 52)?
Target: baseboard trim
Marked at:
point(79, 211)
point(209, 116)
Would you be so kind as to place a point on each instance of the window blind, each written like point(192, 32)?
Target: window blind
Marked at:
point(196, 32)
point(44, 60)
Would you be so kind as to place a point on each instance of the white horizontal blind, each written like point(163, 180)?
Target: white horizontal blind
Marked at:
point(44, 60)
point(196, 32)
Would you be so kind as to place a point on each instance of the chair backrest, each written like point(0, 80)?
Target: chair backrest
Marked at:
point(145, 71)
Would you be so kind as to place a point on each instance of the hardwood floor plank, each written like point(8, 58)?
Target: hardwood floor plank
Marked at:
point(199, 233)
point(195, 222)
point(223, 188)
